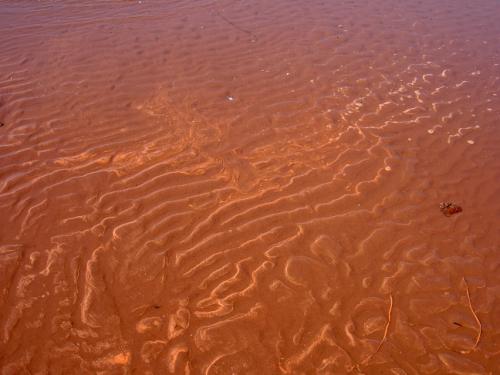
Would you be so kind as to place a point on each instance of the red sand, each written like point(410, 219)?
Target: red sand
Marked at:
point(249, 187)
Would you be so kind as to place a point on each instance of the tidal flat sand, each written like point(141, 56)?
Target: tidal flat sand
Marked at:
point(250, 187)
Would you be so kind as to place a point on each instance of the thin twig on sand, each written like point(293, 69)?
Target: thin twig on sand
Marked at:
point(480, 330)
point(389, 315)
point(228, 21)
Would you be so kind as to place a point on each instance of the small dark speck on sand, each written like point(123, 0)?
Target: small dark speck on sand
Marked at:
point(156, 306)
point(448, 208)
point(1, 124)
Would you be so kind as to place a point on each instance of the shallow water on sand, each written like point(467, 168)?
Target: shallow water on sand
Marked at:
point(235, 187)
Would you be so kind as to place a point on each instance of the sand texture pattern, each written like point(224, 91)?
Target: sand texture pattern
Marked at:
point(249, 187)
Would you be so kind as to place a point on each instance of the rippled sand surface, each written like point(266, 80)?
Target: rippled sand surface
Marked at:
point(249, 187)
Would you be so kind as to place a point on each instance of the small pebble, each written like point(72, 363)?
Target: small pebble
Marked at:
point(470, 141)
point(430, 131)
point(449, 208)
point(388, 168)
point(230, 98)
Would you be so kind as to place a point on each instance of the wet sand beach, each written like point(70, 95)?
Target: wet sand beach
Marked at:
point(250, 187)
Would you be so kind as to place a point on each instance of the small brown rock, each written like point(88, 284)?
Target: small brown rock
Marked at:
point(449, 208)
